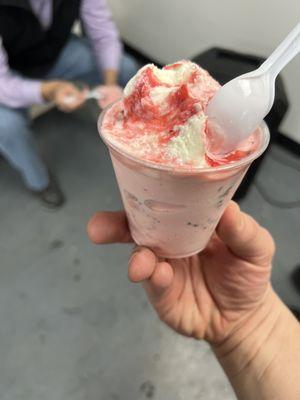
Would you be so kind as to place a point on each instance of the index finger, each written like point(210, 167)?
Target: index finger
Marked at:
point(109, 227)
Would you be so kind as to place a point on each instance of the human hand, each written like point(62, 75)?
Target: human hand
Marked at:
point(66, 96)
point(206, 296)
point(109, 94)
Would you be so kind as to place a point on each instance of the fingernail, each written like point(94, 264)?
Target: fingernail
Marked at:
point(131, 258)
point(135, 252)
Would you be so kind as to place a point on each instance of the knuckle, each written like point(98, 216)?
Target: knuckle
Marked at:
point(254, 230)
point(269, 241)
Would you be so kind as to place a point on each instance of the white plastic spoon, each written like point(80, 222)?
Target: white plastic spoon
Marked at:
point(94, 94)
point(91, 94)
point(240, 105)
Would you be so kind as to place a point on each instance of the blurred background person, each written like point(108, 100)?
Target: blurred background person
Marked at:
point(39, 56)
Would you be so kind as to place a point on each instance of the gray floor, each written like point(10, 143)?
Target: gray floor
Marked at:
point(71, 325)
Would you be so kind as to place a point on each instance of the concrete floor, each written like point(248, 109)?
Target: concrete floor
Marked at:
point(72, 327)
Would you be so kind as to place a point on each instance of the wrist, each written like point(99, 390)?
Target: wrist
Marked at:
point(110, 77)
point(257, 348)
point(244, 343)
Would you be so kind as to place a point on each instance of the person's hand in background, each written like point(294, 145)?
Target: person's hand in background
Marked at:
point(110, 91)
point(109, 94)
point(66, 96)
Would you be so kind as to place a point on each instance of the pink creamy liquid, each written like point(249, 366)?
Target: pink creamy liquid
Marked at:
point(173, 199)
point(174, 214)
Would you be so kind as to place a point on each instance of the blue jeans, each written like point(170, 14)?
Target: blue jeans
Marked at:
point(76, 62)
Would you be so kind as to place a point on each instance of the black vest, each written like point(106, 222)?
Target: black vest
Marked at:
point(31, 49)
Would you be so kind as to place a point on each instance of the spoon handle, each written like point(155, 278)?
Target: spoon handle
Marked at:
point(283, 54)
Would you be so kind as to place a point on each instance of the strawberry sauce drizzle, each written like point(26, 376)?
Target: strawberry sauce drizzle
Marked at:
point(138, 115)
point(181, 105)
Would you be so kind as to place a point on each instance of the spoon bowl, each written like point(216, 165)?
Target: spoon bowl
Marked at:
point(237, 109)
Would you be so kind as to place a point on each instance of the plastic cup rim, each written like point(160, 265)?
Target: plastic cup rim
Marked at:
point(265, 133)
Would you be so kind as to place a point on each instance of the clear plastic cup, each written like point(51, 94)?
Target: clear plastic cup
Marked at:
point(175, 211)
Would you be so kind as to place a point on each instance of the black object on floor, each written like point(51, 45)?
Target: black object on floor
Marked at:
point(139, 56)
point(295, 277)
point(224, 65)
point(288, 144)
point(296, 312)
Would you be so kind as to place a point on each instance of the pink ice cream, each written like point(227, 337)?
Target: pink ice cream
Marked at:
point(173, 193)
point(161, 117)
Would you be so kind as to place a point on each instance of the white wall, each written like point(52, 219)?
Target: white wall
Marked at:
point(168, 30)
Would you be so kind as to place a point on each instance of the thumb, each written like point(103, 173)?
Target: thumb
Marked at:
point(245, 237)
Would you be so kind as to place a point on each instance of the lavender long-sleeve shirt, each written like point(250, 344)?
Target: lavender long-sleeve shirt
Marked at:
point(16, 91)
